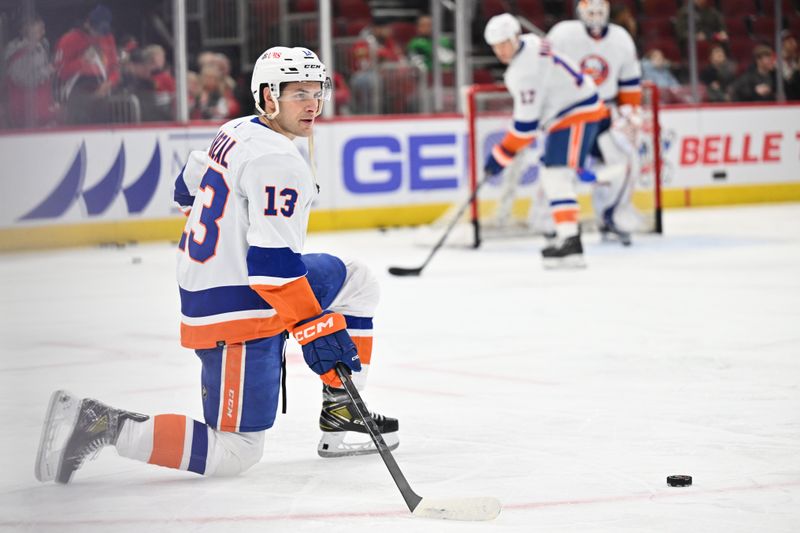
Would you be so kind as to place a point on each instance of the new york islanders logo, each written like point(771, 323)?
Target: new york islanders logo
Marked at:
point(596, 67)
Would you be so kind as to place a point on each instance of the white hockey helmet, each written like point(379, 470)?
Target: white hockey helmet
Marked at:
point(281, 64)
point(593, 14)
point(501, 28)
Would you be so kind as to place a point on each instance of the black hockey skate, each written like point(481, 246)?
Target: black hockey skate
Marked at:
point(76, 429)
point(609, 230)
point(339, 420)
point(568, 254)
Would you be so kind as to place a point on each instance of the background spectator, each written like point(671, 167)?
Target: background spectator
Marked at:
point(376, 40)
point(718, 74)
point(341, 94)
point(758, 83)
point(709, 24)
point(137, 79)
point(656, 68)
point(212, 61)
point(28, 77)
point(163, 82)
point(790, 66)
point(211, 104)
point(87, 68)
point(195, 90)
point(229, 85)
point(421, 45)
point(377, 46)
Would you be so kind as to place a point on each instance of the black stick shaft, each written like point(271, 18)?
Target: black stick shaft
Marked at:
point(450, 227)
point(412, 498)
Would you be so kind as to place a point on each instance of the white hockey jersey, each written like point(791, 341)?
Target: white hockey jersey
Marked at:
point(610, 60)
point(549, 90)
point(239, 270)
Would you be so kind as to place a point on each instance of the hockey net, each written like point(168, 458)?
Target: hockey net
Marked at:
point(513, 202)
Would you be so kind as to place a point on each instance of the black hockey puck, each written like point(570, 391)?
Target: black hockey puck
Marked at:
point(679, 480)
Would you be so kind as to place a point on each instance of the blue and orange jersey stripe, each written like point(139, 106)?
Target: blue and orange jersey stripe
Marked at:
point(589, 110)
point(629, 92)
point(277, 297)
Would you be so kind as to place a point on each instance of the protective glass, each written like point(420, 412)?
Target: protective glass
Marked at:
point(303, 94)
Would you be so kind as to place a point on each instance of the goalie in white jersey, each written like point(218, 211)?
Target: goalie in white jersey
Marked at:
point(606, 52)
point(551, 94)
point(243, 284)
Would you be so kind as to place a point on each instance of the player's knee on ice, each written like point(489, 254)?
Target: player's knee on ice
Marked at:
point(233, 453)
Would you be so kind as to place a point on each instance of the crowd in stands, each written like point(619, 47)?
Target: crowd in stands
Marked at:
point(93, 76)
point(734, 41)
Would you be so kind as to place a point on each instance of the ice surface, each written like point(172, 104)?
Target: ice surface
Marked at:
point(570, 396)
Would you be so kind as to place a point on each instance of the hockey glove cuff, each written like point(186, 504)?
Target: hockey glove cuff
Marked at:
point(499, 159)
point(325, 342)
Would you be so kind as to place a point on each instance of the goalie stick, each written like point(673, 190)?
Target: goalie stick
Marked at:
point(471, 509)
point(403, 271)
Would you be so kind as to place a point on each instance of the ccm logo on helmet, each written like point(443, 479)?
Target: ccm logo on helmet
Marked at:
point(312, 66)
point(312, 330)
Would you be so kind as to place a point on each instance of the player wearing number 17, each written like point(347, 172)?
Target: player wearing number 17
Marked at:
point(550, 94)
point(244, 282)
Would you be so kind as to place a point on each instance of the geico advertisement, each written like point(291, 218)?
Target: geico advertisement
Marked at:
point(85, 176)
point(391, 162)
point(106, 175)
point(730, 145)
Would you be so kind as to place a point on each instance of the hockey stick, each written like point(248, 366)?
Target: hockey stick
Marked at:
point(402, 271)
point(471, 509)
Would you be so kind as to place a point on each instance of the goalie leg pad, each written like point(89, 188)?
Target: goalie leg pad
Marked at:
point(615, 182)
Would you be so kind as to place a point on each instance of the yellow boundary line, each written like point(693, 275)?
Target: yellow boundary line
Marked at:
point(86, 234)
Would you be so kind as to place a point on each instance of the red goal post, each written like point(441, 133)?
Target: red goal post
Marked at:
point(509, 200)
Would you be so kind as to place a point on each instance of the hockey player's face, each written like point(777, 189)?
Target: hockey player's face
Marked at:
point(300, 102)
point(505, 50)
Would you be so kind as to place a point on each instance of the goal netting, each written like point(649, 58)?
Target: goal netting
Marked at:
point(513, 203)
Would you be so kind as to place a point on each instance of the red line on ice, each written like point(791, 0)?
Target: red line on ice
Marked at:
point(671, 493)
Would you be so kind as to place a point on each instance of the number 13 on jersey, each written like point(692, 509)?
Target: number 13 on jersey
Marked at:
point(201, 238)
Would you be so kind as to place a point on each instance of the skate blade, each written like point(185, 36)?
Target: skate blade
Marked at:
point(612, 236)
point(572, 262)
point(332, 444)
point(62, 415)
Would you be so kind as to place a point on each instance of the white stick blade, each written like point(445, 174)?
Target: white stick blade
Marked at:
point(471, 509)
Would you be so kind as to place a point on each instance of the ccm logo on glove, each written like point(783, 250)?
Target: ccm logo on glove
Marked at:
point(325, 325)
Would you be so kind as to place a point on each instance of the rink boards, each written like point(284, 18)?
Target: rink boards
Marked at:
point(89, 186)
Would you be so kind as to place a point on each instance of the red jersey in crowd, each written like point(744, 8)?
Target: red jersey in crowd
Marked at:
point(80, 54)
